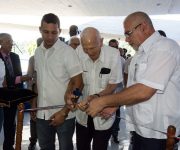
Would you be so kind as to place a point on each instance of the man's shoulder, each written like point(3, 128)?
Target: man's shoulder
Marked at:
point(110, 51)
point(62, 45)
point(14, 55)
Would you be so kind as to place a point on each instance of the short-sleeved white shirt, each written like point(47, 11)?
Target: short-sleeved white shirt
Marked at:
point(55, 66)
point(157, 65)
point(95, 82)
point(2, 72)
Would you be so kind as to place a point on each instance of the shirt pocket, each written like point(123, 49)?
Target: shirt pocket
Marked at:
point(104, 80)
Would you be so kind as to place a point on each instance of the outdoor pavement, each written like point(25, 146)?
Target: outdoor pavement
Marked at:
point(123, 136)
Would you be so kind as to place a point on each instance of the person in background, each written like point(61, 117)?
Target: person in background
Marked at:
point(31, 85)
point(13, 79)
point(161, 32)
point(115, 128)
point(2, 74)
point(74, 42)
point(126, 70)
point(57, 77)
point(102, 72)
point(152, 93)
point(73, 31)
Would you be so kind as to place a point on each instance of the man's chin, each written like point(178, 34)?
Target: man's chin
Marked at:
point(48, 45)
point(134, 47)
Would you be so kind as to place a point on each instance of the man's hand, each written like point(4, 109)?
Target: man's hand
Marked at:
point(33, 105)
point(106, 113)
point(83, 105)
point(95, 106)
point(25, 78)
point(70, 100)
point(59, 117)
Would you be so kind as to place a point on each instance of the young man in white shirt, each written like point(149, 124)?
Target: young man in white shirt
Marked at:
point(57, 76)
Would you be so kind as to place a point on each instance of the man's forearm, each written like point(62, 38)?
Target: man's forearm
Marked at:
point(129, 96)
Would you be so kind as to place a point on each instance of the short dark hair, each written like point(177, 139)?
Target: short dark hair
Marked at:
point(113, 41)
point(161, 32)
point(50, 18)
point(73, 30)
point(4, 35)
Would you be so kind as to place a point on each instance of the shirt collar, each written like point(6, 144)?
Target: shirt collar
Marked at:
point(146, 45)
point(53, 47)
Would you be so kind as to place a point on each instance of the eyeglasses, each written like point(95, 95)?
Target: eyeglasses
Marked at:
point(128, 33)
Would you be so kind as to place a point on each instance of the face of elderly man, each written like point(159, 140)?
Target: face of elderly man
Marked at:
point(74, 42)
point(6, 43)
point(91, 42)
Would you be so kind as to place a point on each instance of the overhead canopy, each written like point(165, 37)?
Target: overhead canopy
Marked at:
point(106, 15)
point(88, 7)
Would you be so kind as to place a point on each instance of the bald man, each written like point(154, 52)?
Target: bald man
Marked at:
point(74, 42)
point(102, 73)
point(152, 93)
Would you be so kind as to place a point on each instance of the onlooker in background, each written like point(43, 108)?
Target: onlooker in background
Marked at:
point(124, 53)
point(31, 85)
point(57, 77)
point(126, 70)
point(102, 73)
point(161, 32)
point(74, 42)
point(152, 93)
point(115, 128)
point(73, 31)
point(128, 56)
point(2, 74)
point(13, 79)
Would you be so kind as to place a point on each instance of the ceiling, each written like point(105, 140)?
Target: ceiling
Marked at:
point(106, 15)
point(88, 7)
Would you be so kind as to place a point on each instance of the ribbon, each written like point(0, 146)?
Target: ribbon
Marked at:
point(61, 106)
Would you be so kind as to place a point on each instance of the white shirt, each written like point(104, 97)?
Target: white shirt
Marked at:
point(95, 82)
point(2, 72)
point(157, 65)
point(55, 66)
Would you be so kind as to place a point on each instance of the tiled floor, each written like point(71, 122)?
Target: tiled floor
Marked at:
point(123, 136)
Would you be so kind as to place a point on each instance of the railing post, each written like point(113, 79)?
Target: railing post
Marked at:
point(19, 127)
point(171, 131)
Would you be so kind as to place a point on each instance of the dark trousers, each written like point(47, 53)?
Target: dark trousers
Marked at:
point(9, 127)
point(84, 136)
point(115, 127)
point(33, 138)
point(140, 143)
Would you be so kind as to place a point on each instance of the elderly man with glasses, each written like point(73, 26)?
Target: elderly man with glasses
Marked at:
point(152, 93)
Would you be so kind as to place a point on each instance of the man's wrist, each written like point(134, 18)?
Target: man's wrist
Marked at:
point(65, 111)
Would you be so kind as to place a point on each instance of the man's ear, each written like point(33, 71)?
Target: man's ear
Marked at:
point(40, 30)
point(59, 30)
point(101, 41)
point(143, 26)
